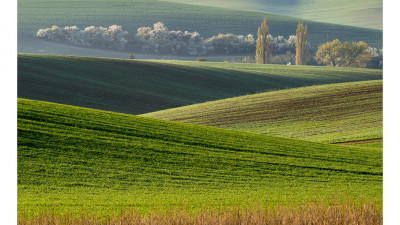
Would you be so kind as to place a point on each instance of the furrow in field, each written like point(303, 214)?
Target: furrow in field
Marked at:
point(327, 113)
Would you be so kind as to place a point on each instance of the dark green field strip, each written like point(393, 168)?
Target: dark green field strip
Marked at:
point(208, 21)
point(326, 113)
point(320, 74)
point(132, 86)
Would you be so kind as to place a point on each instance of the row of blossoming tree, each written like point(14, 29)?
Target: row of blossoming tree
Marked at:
point(159, 40)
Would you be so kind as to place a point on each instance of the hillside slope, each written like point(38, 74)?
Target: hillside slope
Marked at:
point(133, 86)
point(327, 113)
point(360, 13)
point(82, 160)
point(208, 21)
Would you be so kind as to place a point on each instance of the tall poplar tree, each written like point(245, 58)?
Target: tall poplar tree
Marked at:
point(263, 44)
point(259, 48)
point(301, 44)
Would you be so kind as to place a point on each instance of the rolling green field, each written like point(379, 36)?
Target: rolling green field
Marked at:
point(80, 160)
point(331, 113)
point(360, 13)
point(118, 141)
point(138, 86)
point(208, 21)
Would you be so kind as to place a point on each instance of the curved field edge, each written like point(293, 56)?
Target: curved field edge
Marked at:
point(325, 113)
point(73, 159)
point(142, 86)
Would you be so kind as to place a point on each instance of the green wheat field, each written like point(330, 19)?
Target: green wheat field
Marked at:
point(106, 140)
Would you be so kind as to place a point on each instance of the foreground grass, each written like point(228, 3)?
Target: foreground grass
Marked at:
point(136, 86)
point(325, 113)
point(79, 160)
point(208, 21)
point(314, 213)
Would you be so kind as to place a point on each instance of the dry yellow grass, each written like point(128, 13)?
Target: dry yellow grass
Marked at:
point(315, 213)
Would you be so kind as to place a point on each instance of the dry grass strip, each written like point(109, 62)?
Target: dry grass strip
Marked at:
point(317, 213)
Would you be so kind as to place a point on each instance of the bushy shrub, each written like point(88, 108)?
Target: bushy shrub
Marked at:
point(286, 59)
point(376, 58)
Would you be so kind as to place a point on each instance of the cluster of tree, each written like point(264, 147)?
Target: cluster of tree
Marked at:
point(338, 54)
point(230, 43)
point(159, 40)
point(112, 37)
point(335, 53)
point(280, 45)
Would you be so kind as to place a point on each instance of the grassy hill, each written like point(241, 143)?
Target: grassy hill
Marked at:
point(79, 160)
point(136, 87)
point(360, 13)
point(325, 113)
point(208, 21)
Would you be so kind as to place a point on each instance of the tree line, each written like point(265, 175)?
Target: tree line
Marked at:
point(335, 53)
point(268, 49)
point(159, 40)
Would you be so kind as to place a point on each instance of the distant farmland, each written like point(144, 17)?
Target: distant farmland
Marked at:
point(79, 160)
point(138, 86)
point(360, 13)
point(326, 113)
point(208, 21)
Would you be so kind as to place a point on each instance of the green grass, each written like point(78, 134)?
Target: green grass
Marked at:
point(208, 21)
point(377, 145)
point(137, 86)
point(324, 113)
point(73, 159)
point(361, 13)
